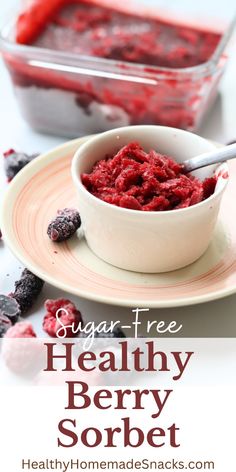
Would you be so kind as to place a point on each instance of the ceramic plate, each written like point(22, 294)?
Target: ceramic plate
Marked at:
point(45, 185)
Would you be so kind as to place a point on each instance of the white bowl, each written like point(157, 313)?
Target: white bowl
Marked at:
point(147, 241)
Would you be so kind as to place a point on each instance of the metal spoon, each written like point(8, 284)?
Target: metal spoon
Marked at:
point(214, 157)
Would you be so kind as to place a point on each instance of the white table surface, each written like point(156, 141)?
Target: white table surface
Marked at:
point(214, 319)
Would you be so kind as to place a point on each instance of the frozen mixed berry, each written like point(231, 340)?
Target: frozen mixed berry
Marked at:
point(62, 319)
point(15, 161)
point(5, 325)
point(23, 329)
point(115, 333)
point(64, 225)
point(10, 308)
point(27, 290)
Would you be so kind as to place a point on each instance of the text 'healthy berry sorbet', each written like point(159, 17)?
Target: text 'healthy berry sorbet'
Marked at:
point(138, 180)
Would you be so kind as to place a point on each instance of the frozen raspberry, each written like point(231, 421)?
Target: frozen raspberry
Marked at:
point(21, 350)
point(64, 225)
point(62, 318)
point(10, 308)
point(27, 290)
point(23, 329)
point(15, 161)
point(115, 333)
point(5, 325)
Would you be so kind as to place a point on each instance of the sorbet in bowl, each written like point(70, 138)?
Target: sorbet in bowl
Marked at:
point(139, 211)
point(146, 181)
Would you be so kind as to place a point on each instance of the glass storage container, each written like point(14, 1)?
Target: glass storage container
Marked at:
point(70, 94)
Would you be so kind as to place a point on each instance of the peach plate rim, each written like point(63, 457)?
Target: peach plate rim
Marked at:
point(7, 209)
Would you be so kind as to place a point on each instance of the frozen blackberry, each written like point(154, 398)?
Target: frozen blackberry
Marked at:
point(27, 289)
point(9, 307)
point(116, 333)
point(64, 225)
point(5, 324)
point(15, 161)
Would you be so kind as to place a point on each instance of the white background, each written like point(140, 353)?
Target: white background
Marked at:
point(212, 319)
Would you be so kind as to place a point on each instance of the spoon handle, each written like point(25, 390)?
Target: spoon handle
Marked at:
point(219, 155)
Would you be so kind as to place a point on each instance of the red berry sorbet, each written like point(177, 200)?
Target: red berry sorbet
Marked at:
point(138, 180)
point(101, 99)
point(81, 27)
